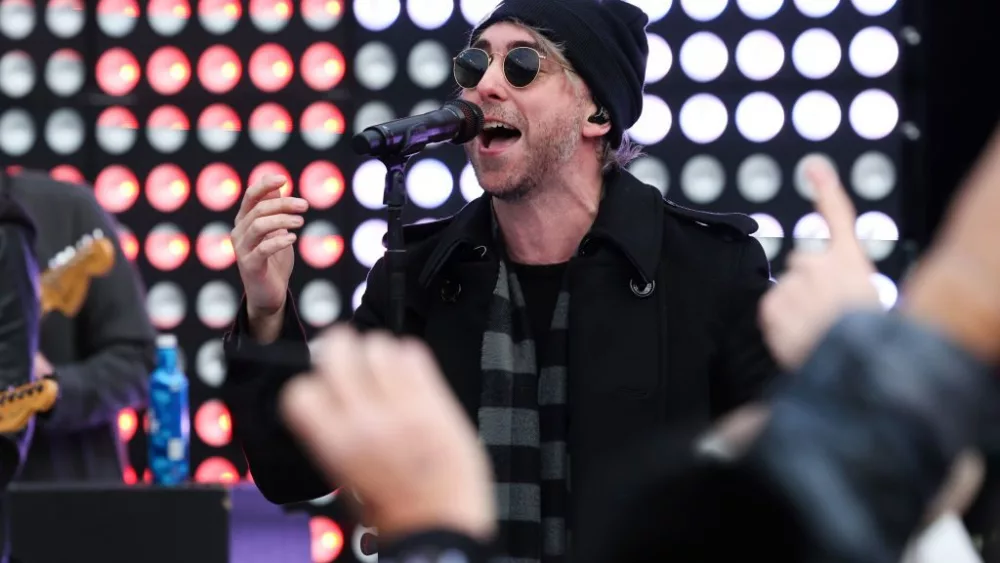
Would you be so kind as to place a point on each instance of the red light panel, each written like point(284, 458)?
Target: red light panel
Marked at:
point(321, 250)
point(169, 8)
point(128, 8)
point(128, 476)
point(321, 184)
point(322, 125)
point(67, 173)
point(168, 70)
point(216, 470)
point(219, 69)
point(271, 67)
point(218, 187)
point(219, 117)
point(169, 117)
point(327, 539)
point(223, 9)
point(128, 242)
point(117, 71)
point(116, 188)
point(117, 117)
point(167, 128)
point(272, 169)
point(212, 423)
point(167, 247)
point(322, 14)
point(215, 247)
point(270, 15)
point(270, 125)
point(167, 188)
point(323, 66)
point(128, 424)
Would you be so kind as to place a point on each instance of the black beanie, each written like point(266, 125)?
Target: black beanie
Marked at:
point(605, 41)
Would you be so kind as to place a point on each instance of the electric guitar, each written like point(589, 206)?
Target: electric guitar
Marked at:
point(65, 284)
point(64, 287)
point(19, 404)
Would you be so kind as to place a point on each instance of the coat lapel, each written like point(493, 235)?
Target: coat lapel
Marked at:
point(458, 309)
point(458, 280)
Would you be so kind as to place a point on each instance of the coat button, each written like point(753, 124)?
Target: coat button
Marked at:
point(450, 291)
point(643, 290)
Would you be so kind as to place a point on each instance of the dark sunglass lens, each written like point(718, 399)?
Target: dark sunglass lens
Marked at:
point(521, 66)
point(470, 66)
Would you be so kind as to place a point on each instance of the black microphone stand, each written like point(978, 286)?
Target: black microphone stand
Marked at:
point(395, 253)
point(394, 198)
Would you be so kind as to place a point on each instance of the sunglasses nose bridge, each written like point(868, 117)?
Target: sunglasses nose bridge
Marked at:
point(494, 74)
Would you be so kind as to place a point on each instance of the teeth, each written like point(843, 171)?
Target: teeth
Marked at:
point(494, 125)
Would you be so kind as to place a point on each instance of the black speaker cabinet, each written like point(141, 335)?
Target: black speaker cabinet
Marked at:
point(131, 524)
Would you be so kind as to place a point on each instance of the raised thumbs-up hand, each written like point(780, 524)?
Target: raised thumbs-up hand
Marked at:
point(818, 287)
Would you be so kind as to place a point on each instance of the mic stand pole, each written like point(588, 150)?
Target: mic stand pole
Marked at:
point(395, 254)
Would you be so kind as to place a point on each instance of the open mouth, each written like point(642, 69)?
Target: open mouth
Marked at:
point(498, 136)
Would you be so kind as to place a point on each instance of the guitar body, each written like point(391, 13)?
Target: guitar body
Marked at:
point(18, 405)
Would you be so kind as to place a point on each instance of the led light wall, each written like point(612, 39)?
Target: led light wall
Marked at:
point(170, 109)
point(740, 94)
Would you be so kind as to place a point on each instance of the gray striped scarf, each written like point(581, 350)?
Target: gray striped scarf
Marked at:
point(523, 422)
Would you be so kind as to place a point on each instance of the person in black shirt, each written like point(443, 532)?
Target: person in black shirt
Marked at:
point(101, 357)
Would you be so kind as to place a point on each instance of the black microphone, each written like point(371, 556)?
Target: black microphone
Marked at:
point(458, 122)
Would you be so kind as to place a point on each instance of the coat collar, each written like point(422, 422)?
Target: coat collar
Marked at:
point(630, 217)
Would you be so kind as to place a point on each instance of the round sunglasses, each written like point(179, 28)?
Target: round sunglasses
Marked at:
point(521, 66)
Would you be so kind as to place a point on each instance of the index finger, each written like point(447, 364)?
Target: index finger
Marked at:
point(833, 203)
point(256, 193)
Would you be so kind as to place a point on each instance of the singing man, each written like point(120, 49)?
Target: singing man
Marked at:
point(572, 309)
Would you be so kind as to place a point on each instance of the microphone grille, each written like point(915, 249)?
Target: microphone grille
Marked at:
point(473, 123)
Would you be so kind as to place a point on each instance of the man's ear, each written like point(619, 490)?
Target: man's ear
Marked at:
point(599, 122)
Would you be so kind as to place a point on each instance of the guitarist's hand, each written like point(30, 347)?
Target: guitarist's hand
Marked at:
point(42, 366)
point(263, 243)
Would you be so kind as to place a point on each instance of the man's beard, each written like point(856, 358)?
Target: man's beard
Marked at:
point(551, 148)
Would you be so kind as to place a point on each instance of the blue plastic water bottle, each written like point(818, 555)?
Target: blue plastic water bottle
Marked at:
point(169, 420)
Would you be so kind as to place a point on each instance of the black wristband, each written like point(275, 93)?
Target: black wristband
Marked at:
point(435, 546)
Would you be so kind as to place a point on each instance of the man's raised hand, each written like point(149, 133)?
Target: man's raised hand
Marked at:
point(262, 239)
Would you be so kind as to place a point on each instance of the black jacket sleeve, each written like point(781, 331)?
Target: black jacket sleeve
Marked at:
point(435, 546)
point(745, 370)
point(119, 342)
point(19, 317)
point(255, 375)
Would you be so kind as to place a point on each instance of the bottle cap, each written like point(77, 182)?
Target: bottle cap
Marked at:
point(166, 341)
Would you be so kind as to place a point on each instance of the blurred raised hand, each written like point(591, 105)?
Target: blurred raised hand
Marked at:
point(817, 287)
point(377, 417)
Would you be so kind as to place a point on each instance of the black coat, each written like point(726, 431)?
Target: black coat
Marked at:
point(662, 334)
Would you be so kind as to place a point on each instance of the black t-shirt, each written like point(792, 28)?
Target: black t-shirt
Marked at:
point(540, 285)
